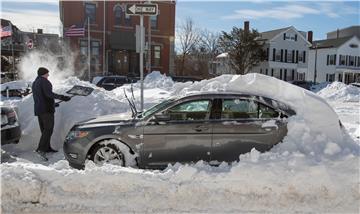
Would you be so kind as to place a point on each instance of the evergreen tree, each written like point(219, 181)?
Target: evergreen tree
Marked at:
point(244, 47)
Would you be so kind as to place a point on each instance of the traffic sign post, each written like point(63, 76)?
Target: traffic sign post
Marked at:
point(141, 10)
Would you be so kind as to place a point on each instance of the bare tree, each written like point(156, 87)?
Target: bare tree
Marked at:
point(209, 43)
point(188, 37)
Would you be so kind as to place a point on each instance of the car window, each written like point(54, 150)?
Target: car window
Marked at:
point(121, 80)
point(267, 112)
point(109, 80)
point(239, 108)
point(193, 110)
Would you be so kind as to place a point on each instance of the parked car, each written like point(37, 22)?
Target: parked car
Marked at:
point(356, 84)
point(10, 126)
point(213, 127)
point(184, 79)
point(303, 84)
point(111, 82)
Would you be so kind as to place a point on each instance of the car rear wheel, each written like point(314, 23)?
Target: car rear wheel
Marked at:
point(107, 153)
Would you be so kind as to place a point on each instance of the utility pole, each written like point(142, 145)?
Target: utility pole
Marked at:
point(89, 51)
point(149, 43)
point(104, 58)
point(142, 62)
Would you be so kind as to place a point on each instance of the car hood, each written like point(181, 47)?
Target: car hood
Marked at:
point(107, 120)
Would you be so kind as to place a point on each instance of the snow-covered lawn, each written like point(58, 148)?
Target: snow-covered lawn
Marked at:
point(308, 172)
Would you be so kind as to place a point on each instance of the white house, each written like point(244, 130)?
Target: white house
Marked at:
point(287, 54)
point(336, 59)
point(221, 65)
point(286, 51)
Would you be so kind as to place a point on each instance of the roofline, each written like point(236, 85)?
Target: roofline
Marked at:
point(291, 27)
point(343, 29)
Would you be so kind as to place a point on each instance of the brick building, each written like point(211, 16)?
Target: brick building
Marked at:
point(114, 52)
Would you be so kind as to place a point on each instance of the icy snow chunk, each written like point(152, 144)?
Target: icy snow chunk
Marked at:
point(269, 124)
point(332, 149)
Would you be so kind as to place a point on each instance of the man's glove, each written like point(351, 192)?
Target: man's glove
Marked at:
point(57, 105)
point(65, 98)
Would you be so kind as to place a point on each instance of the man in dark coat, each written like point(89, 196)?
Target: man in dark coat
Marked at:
point(44, 107)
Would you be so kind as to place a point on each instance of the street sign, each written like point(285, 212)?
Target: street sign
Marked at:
point(142, 9)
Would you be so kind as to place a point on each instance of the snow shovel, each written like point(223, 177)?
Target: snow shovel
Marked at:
point(78, 90)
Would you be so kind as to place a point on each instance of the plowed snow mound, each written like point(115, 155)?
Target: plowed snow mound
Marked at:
point(340, 92)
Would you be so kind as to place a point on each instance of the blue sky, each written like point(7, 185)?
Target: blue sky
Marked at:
point(320, 16)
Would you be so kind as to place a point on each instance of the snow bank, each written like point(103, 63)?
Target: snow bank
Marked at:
point(340, 92)
point(283, 185)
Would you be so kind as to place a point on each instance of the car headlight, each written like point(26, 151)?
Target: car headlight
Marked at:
point(76, 134)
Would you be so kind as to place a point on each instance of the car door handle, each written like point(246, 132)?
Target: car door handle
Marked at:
point(201, 128)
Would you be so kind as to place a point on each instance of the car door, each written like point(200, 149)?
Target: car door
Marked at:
point(244, 124)
point(185, 137)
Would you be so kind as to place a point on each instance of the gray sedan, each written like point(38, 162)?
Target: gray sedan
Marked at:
point(212, 127)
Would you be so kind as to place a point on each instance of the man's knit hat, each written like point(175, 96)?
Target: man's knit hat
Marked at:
point(41, 71)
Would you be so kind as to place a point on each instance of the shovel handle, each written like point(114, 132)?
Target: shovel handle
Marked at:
point(63, 100)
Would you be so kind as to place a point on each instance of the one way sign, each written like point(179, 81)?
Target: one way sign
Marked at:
point(142, 9)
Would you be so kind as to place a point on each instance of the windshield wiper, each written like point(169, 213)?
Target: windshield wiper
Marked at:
point(131, 102)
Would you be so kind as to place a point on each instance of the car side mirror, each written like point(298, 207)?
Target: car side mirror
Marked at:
point(161, 117)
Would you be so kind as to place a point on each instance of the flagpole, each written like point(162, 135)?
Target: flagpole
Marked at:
point(89, 52)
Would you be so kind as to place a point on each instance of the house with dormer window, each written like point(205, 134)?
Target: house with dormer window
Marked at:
point(286, 54)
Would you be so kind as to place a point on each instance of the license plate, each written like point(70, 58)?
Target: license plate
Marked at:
point(4, 120)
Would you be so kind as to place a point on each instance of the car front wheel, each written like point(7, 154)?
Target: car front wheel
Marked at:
point(107, 153)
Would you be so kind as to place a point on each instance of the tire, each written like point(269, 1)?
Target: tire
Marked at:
point(113, 152)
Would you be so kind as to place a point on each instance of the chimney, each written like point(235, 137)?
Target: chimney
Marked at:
point(246, 26)
point(337, 33)
point(310, 36)
point(40, 31)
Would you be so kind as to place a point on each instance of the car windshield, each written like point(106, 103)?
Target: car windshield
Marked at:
point(156, 107)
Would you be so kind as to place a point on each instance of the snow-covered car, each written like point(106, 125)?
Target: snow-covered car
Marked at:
point(111, 82)
point(10, 127)
point(212, 127)
point(17, 88)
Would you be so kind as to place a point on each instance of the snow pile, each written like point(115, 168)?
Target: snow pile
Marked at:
point(340, 91)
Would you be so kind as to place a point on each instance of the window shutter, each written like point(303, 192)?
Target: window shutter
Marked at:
point(286, 59)
point(281, 74)
point(267, 54)
point(274, 52)
point(281, 57)
point(327, 60)
point(293, 56)
point(297, 56)
point(334, 59)
point(304, 55)
point(284, 35)
point(295, 37)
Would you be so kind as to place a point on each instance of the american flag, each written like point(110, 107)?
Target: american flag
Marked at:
point(6, 31)
point(74, 30)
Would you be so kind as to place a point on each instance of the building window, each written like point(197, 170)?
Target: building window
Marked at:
point(351, 60)
point(278, 55)
point(266, 71)
point(260, 70)
point(154, 22)
point(289, 56)
point(127, 20)
point(358, 61)
point(342, 60)
point(157, 55)
point(331, 59)
point(95, 48)
point(272, 72)
point(300, 58)
point(118, 13)
point(90, 12)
